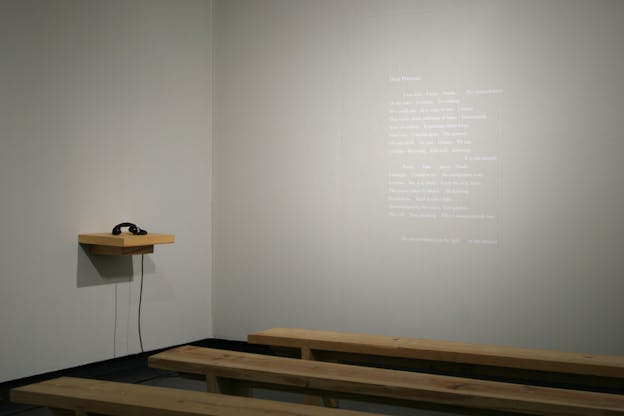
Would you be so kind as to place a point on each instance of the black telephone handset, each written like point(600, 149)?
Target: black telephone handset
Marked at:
point(133, 229)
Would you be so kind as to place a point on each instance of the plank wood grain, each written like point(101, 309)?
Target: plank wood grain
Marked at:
point(125, 239)
point(400, 385)
point(122, 399)
point(447, 351)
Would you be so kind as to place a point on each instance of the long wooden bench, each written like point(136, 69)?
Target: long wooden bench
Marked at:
point(539, 367)
point(224, 368)
point(67, 396)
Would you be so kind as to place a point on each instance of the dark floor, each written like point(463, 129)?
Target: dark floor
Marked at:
point(133, 369)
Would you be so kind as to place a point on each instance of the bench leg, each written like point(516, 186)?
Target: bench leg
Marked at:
point(221, 385)
point(327, 401)
point(212, 384)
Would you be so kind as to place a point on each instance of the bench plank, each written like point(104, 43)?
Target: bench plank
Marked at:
point(445, 351)
point(120, 399)
point(406, 386)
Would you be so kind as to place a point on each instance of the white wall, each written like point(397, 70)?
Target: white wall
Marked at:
point(105, 116)
point(303, 233)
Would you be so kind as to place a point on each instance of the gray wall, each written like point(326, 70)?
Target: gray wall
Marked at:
point(105, 116)
point(302, 227)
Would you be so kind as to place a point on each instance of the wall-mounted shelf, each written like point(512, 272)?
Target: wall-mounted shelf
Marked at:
point(124, 244)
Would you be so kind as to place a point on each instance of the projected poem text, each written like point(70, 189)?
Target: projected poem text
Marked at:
point(443, 162)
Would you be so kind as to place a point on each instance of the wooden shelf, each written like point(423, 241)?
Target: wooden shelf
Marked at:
point(124, 244)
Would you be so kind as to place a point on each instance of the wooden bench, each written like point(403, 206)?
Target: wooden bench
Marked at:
point(225, 369)
point(538, 367)
point(68, 396)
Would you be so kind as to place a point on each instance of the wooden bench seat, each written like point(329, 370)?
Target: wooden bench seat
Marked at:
point(67, 395)
point(392, 386)
point(539, 367)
